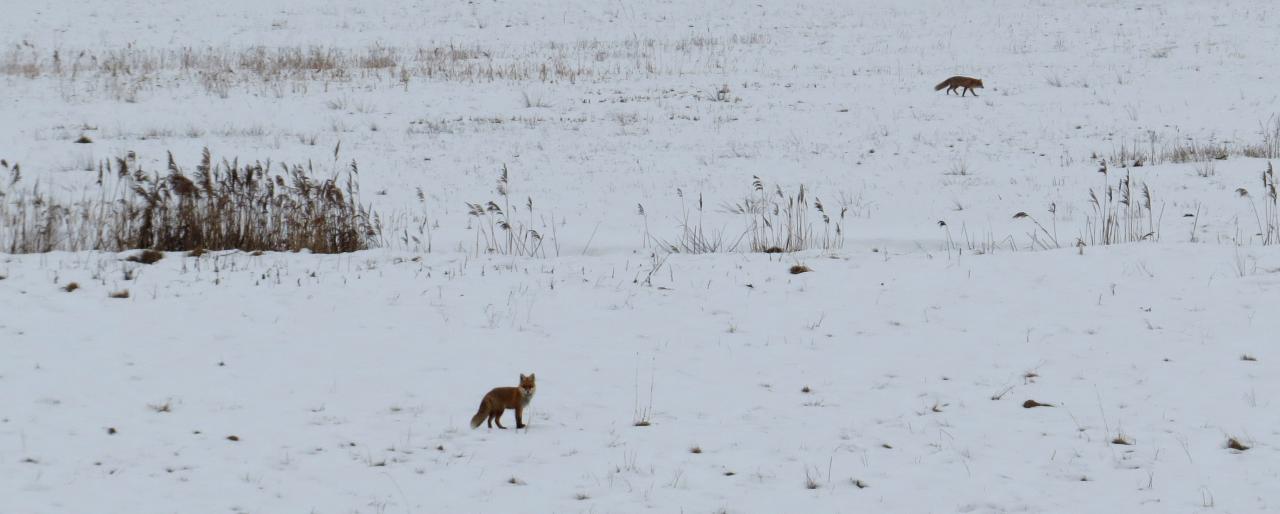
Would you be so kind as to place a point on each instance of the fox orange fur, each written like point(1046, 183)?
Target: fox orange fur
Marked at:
point(499, 399)
point(967, 83)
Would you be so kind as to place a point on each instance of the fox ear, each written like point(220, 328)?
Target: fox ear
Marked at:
point(531, 376)
point(522, 376)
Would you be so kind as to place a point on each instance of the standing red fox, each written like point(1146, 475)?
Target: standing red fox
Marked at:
point(968, 83)
point(500, 399)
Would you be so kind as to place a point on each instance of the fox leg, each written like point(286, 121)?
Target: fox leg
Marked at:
point(519, 417)
point(497, 418)
point(951, 89)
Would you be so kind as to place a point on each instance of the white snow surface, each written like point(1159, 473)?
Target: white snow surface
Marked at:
point(890, 378)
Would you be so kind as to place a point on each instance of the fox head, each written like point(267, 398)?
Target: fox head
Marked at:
point(527, 384)
point(979, 84)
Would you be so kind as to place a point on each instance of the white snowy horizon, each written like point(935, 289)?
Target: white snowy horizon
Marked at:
point(966, 265)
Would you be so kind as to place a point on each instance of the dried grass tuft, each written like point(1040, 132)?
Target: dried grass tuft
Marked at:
point(146, 257)
point(1235, 444)
point(222, 205)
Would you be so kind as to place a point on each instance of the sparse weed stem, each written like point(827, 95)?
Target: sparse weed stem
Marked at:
point(1205, 153)
point(657, 260)
point(1050, 240)
point(980, 244)
point(642, 415)
point(694, 238)
point(516, 239)
point(1122, 213)
point(126, 71)
point(1268, 218)
point(779, 222)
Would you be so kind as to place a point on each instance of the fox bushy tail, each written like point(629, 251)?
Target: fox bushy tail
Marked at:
point(480, 414)
point(942, 85)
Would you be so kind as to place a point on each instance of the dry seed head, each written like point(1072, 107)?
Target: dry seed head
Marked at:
point(502, 181)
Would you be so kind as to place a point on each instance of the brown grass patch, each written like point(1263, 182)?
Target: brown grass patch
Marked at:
point(71, 286)
point(222, 205)
point(1235, 444)
point(146, 257)
point(123, 293)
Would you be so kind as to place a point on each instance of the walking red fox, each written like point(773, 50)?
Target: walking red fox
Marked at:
point(500, 399)
point(968, 83)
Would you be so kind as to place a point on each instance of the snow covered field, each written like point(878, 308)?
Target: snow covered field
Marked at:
point(962, 268)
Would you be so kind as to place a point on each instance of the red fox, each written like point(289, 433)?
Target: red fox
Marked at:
point(968, 83)
point(500, 399)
